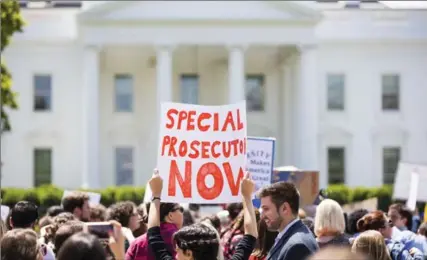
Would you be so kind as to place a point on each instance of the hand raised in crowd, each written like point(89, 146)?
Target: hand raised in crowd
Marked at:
point(156, 184)
point(247, 186)
point(117, 241)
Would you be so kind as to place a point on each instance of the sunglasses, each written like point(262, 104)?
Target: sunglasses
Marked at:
point(181, 209)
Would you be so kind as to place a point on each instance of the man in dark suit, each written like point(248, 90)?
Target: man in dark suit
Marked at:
point(279, 205)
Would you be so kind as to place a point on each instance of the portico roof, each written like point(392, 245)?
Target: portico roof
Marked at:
point(251, 11)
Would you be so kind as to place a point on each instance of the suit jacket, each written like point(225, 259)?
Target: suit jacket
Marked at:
point(296, 244)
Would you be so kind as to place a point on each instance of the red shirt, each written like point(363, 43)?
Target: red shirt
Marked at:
point(139, 249)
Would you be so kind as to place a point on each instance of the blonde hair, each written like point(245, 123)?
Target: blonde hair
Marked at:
point(372, 243)
point(302, 214)
point(336, 253)
point(3, 228)
point(329, 219)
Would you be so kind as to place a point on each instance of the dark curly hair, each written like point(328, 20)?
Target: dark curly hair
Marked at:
point(213, 220)
point(200, 239)
point(373, 221)
point(281, 192)
point(74, 200)
point(98, 212)
point(121, 212)
point(54, 211)
point(57, 222)
point(234, 210)
point(404, 212)
point(352, 220)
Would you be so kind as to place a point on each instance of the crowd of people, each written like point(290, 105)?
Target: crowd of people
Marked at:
point(279, 229)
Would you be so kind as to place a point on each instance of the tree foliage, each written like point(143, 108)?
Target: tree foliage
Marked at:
point(11, 22)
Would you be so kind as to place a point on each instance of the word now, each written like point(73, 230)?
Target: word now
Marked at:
point(210, 168)
point(202, 149)
point(192, 120)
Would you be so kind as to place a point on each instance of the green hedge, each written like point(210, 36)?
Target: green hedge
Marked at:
point(46, 196)
point(343, 194)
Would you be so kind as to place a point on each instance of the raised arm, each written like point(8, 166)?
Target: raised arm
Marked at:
point(156, 185)
point(247, 189)
point(155, 239)
point(247, 244)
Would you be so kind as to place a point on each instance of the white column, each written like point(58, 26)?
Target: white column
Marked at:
point(90, 178)
point(307, 121)
point(236, 74)
point(164, 91)
point(164, 75)
point(287, 101)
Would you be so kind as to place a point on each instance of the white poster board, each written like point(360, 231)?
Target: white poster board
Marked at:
point(147, 194)
point(4, 212)
point(202, 152)
point(94, 198)
point(260, 160)
point(411, 203)
point(402, 185)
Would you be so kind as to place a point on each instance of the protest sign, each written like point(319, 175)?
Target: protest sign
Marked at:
point(4, 212)
point(411, 203)
point(307, 182)
point(94, 198)
point(404, 177)
point(260, 161)
point(202, 152)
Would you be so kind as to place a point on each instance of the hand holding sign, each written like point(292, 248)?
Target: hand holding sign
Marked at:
point(156, 184)
point(247, 186)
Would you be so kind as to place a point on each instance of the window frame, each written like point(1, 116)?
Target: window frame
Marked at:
point(386, 175)
point(329, 107)
point(116, 95)
point(263, 89)
point(116, 150)
point(36, 179)
point(385, 95)
point(181, 87)
point(49, 107)
point(328, 163)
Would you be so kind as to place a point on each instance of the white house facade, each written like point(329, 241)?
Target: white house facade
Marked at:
point(342, 87)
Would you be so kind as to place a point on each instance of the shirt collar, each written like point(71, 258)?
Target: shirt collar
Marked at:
point(288, 226)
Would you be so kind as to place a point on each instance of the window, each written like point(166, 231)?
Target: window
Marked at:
point(124, 166)
point(336, 83)
point(42, 92)
point(190, 89)
point(390, 92)
point(336, 165)
point(42, 166)
point(255, 93)
point(123, 93)
point(391, 158)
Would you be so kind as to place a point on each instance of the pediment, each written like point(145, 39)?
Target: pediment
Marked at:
point(121, 11)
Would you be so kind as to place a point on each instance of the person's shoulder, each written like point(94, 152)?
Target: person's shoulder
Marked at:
point(139, 241)
point(303, 239)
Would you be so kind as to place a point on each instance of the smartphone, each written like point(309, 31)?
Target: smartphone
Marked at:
point(100, 229)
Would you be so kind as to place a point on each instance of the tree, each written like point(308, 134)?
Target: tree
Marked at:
point(11, 22)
